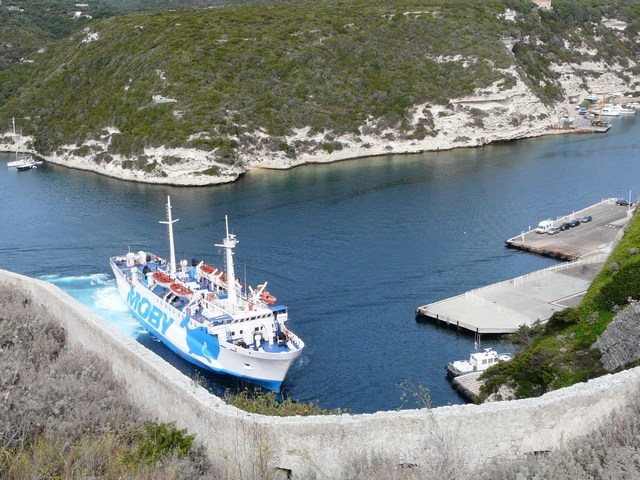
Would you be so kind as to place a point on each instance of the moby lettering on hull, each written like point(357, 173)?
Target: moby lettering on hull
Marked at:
point(205, 315)
point(147, 312)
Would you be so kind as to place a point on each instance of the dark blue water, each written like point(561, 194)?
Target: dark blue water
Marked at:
point(352, 248)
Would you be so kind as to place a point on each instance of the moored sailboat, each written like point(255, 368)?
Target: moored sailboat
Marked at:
point(22, 162)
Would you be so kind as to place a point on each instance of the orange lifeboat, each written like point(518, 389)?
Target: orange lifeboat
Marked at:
point(267, 298)
point(162, 279)
point(208, 269)
point(181, 290)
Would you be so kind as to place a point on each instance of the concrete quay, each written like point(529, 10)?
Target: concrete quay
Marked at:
point(468, 385)
point(503, 307)
point(577, 242)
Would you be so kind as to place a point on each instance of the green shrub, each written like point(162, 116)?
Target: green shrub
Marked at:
point(102, 157)
point(157, 440)
point(624, 284)
point(256, 400)
point(213, 171)
point(561, 319)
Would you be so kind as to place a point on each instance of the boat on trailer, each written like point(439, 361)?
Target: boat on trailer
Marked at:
point(205, 315)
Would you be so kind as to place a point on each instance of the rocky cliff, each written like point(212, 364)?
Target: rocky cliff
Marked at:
point(619, 343)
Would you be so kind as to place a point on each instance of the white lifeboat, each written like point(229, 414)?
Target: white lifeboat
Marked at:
point(162, 279)
point(181, 290)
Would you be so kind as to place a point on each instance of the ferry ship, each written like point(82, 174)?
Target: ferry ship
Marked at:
point(205, 315)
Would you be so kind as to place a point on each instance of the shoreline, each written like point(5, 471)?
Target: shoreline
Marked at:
point(352, 154)
point(487, 115)
point(453, 128)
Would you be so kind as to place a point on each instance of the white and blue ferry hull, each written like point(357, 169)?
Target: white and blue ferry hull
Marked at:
point(196, 345)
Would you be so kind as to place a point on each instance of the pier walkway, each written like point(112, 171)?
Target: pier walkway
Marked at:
point(503, 307)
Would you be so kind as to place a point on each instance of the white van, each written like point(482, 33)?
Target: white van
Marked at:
point(544, 226)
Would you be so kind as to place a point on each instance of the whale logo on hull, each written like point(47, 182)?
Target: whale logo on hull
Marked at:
point(202, 344)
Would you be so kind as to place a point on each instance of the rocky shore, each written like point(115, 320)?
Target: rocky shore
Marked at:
point(490, 115)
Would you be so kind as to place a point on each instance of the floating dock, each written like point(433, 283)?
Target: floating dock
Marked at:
point(503, 307)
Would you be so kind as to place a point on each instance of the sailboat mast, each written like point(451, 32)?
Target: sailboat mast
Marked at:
point(172, 251)
point(15, 139)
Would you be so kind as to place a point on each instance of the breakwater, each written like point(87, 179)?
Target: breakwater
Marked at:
point(325, 447)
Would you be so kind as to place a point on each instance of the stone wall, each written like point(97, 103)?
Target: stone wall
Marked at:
point(325, 447)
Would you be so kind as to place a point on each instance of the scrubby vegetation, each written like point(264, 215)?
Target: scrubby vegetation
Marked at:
point(560, 353)
point(610, 452)
point(270, 403)
point(63, 414)
point(566, 33)
point(220, 79)
point(230, 72)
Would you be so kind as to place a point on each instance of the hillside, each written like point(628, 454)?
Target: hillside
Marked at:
point(200, 96)
point(29, 26)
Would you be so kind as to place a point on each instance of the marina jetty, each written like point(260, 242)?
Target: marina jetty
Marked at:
point(503, 307)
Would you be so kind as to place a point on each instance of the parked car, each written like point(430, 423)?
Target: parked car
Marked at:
point(574, 223)
point(586, 219)
point(622, 202)
point(553, 230)
point(565, 226)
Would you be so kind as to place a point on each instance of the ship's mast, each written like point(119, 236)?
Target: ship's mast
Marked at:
point(172, 251)
point(229, 244)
